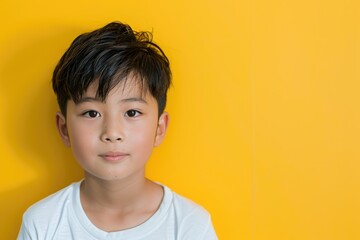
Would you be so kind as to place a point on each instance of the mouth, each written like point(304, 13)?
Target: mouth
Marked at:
point(113, 156)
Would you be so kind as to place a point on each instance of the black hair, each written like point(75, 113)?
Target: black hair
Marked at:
point(107, 56)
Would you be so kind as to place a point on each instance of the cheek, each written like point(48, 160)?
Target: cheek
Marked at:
point(82, 139)
point(143, 136)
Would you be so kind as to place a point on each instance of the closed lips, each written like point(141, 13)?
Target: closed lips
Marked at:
point(113, 156)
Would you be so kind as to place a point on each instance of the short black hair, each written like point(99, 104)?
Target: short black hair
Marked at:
point(107, 56)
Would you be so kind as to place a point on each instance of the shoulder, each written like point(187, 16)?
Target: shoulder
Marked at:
point(186, 207)
point(41, 213)
point(193, 219)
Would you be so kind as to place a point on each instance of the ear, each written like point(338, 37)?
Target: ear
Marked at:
point(62, 128)
point(162, 128)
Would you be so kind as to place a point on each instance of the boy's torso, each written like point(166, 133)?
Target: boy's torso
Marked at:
point(61, 216)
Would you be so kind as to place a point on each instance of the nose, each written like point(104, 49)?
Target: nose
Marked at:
point(111, 138)
point(112, 131)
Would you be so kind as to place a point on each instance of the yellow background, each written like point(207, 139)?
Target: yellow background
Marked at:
point(264, 109)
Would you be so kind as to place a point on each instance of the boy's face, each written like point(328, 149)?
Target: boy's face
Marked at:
point(113, 139)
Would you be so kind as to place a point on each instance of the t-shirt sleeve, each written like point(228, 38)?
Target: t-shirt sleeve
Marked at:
point(209, 232)
point(197, 226)
point(24, 233)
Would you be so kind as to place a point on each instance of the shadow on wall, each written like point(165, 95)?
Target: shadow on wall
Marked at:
point(32, 142)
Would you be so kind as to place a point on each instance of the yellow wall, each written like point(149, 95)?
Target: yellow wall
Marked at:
point(265, 109)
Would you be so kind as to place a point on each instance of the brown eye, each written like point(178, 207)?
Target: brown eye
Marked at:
point(91, 114)
point(132, 113)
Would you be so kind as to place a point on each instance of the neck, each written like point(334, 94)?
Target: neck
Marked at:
point(116, 205)
point(116, 194)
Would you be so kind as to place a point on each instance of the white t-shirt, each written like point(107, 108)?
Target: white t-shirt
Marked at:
point(61, 216)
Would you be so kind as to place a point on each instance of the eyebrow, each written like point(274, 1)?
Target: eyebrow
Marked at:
point(93, 99)
point(88, 99)
point(133, 99)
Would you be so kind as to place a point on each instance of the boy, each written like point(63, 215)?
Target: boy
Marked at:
point(111, 87)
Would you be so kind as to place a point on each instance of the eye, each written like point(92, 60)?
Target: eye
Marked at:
point(91, 114)
point(132, 113)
